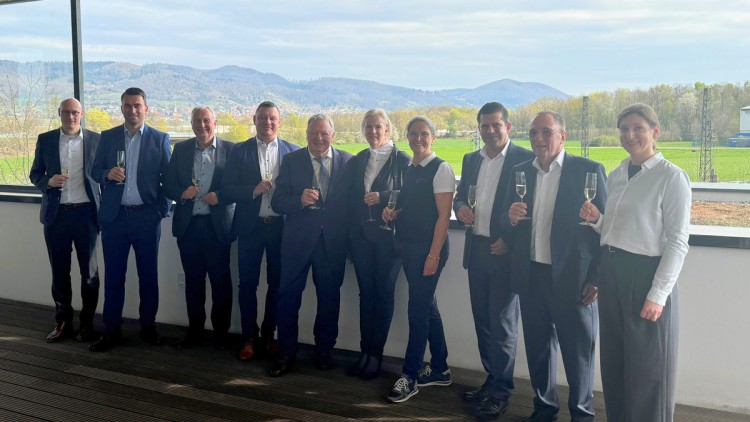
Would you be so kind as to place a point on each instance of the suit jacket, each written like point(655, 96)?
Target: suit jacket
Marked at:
point(470, 173)
point(304, 226)
point(47, 164)
point(153, 161)
point(241, 175)
point(180, 177)
point(574, 248)
point(389, 178)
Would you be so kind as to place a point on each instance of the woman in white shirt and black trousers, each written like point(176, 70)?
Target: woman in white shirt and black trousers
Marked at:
point(645, 238)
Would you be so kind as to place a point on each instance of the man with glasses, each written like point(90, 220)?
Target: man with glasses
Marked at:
point(70, 200)
point(133, 204)
point(554, 261)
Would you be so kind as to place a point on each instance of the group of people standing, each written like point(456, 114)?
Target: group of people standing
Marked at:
point(538, 244)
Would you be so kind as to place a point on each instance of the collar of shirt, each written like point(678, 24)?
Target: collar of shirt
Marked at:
point(426, 161)
point(127, 134)
point(210, 146)
point(328, 154)
point(483, 152)
point(65, 136)
point(384, 150)
point(558, 160)
point(274, 142)
point(648, 164)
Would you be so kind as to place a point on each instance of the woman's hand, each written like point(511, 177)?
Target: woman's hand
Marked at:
point(651, 310)
point(589, 212)
point(389, 215)
point(371, 198)
point(430, 265)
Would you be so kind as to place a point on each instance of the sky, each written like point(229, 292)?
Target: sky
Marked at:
point(577, 46)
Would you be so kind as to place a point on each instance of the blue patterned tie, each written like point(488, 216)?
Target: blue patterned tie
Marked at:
point(323, 176)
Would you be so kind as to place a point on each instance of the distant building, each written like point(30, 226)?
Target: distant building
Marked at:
point(742, 139)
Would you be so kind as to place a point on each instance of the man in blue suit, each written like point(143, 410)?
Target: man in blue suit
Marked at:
point(493, 302)
point(315, 234)
point(251, 169)
point(133, 204)
point(554, 268)
point(70, 199)
point(202, 224)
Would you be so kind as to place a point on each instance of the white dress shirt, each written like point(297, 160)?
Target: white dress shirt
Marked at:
point(650, 215)
point(375, 163)
point(486, 188)
point(71, 157)
point(545, 196)
point(268, 161)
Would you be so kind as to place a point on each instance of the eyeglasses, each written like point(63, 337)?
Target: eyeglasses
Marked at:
point(74, 113)
point(546, 133)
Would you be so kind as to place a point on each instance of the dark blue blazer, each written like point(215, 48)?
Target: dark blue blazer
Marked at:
point(152, 170)
point(241, 175)
point(304, 226)
point(180, 177)
point(389, 178)
point(575, 248)
point(47, 164)
point(469, 175)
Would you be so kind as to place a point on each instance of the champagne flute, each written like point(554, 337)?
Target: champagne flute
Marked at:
point(196, 181)
point(471, 200)
point(589, 192)
point(392, 200)
point(121, 162)
point(368, 189)
point(521, 189)
point(316, 187)
point(64, 171)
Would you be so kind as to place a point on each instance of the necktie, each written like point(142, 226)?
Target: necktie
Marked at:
point(323, 176)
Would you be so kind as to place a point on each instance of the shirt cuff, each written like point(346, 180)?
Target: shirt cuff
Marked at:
point(658, 296)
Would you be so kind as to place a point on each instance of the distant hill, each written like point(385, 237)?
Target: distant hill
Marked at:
point(238, 89)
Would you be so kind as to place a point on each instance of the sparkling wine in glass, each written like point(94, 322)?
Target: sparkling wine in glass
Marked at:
point(64, 171)
point(196, 182)
point(121, 162)
point(521, 189)
point(368, 189)
point(392, 200)
point(471, 200)
point(589, 191)
point(316, 187)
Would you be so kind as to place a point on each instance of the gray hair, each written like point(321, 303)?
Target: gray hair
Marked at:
point(555, 116)
point(379, 112)
point(202, 108)
point(430, 124)
point(321, 116)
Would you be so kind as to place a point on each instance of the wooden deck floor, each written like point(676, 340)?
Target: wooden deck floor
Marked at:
point(136, 382)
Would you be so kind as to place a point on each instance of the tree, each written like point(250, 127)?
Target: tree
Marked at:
point(98, 120)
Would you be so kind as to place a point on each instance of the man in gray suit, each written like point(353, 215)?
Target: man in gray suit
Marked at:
point(202, 225)
point(70, 200)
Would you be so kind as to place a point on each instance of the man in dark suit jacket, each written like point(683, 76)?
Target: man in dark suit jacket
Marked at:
point(248, 181)
point(70, 199)
point(315, 233)
point(133, 204)
point(493, 303)
point(554, 268)
point(202, 224)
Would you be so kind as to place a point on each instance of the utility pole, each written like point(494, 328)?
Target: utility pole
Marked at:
point(585, 127)
point(705, 166)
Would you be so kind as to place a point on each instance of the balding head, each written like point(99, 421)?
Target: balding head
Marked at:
point(70, 112)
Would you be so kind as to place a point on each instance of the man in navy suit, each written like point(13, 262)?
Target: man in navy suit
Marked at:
point(202, 224)
point(133, 204)
point(315, 234)
point(493, 302)
point(554, 268)
point(70, 199)
point(251, 169)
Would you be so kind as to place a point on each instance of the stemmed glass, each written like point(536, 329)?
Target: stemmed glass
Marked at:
point(589, 192)
point(368, 189)
point(316, 187)
point(121, 162)
point(471, 200)
point(64, 171)
point(196, 181)
point(521, 189)
point(392, 200)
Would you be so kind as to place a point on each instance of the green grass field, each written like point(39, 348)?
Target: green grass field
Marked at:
point(731, 164)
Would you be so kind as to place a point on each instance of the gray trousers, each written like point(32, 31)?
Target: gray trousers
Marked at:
point(638, 357)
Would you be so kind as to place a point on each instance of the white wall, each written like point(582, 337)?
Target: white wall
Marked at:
point(714, 317)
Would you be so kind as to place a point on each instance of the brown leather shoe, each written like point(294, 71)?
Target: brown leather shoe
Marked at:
point(247, 352)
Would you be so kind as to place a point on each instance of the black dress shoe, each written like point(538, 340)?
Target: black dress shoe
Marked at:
point(372, 368)
point(191, 339)
point(106, 341)
point(493, 408)
point(220, 341)
point(150, 336)
point(541, 417)
point(61, 331)
point(324, 362)
point(85, 334)
point(359, 366)
point(476, 396)
point(281, 367)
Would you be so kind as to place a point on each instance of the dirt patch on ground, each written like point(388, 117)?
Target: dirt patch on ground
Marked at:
point(727, 214)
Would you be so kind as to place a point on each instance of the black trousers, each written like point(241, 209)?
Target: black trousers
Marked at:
point(73, 227)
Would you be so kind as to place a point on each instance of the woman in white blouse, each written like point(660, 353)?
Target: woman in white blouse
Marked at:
point(645, 239)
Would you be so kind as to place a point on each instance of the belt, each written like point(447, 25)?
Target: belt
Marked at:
point(613, 249)
point(130, 208)
point(74, 206)
point(270, 219)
